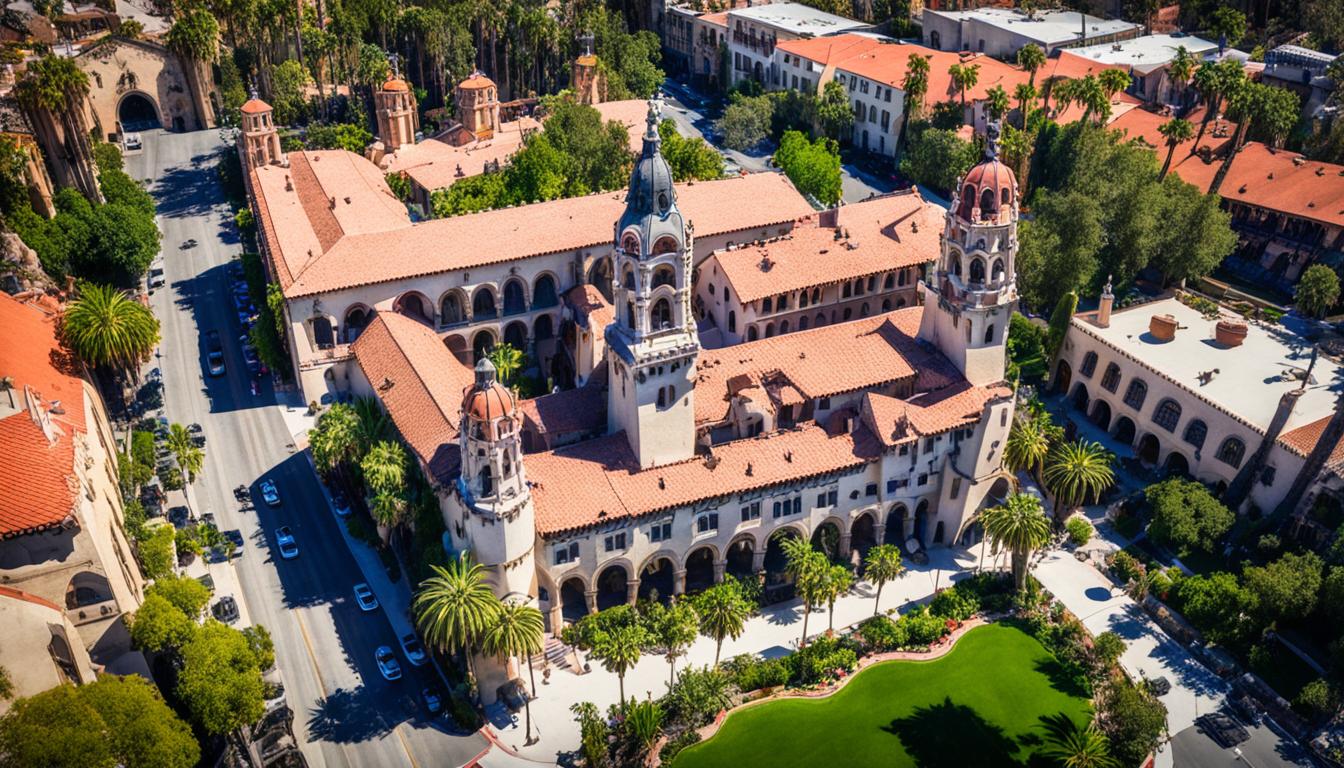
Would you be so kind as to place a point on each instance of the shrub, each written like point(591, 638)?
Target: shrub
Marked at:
point(956, 604)
point(820, 660)
point(583, 632)
point(1080, 531)
point(1315, 701)
point(750, 673)
point(1186, 516)
point(1125, 567)
point(673, 747)
point(882, 634)
point(922, 627)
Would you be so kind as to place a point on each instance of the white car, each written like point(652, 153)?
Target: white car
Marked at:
point(415, 652)
point(365, 597)
point(269, 493)
point(132, 141)
point(284, 538)
point(388, 665)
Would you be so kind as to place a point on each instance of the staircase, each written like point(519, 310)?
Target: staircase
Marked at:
point(553, 652)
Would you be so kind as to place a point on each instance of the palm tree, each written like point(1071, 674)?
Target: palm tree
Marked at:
point(55, 86)
point(455, 606)
point(1019, 525)
point(384, 467)
point(1077, 471)
point(807, 567)
point(1031, 58)
point(190, 457)
point(1091, 94)
point(915, 84)
point(388, 510)
point(1208, 81)
point(516, 632)
point(674, 627)
point(964, 77)
point(644, 721)
point(1025, 93)
point(372, 424)
point(882, 564)
point(195, 38)
point(1113, 81)
point(997, 102)
point(334, 439)
point(507, 360)
point(1174, 131)
point(1072, 745)
point(105, 327)
point(835, 582)
point(619, 650)
point(1029, 442)
point(723, 613)
point(1180, 69)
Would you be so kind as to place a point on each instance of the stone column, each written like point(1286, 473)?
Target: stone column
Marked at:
point(719, 568)
point(632, 591)
point(590, 597)
point(679, 581)
point(843, 547)
point(557, 618)
point(758, 561)
point(880, 532)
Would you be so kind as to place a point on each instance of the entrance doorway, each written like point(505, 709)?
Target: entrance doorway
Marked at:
point(137, 113)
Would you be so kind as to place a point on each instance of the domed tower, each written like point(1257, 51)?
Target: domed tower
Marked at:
point(499, 520)
point(397, 117)
point(652, 341)
point(969, 294)
point(261, 142)
point(477, 100)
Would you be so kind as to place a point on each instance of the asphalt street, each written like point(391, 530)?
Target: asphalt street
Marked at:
point(345, 713)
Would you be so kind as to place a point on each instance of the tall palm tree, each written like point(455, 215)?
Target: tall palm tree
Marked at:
point(964, 77)
point(1031, 58)
point(915, 85)
point(384, 467)
point(882, 564)
point(835, 582)
point(1020, 526)
point(334, 439)
point(1029, 442)
point(1025, 93)
point(373, 424)
point(619, 650)
point(516, 632)
point(53, 88)
point(105, 327)
point(1208, 82)
point(1180, 69)
point(195, 38)
point(1113, 81)
point(190, 457)
point(1072, 745)
point(807, 567)
point(1174, 131)
point(997, 102)
point(455, 606)
point(723, 613)
point(1075, 472)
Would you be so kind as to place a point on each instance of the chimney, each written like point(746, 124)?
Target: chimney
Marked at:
point(1104, 308)
point(1229, 333)
point(1162, 327)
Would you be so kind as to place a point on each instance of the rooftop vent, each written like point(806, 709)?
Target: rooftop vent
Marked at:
point(1162, 327)
point(1230, 333)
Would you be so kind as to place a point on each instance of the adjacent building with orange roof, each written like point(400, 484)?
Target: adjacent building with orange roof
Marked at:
point(65, 560)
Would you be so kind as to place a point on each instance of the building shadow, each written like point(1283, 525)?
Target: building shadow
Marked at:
point(951, 735)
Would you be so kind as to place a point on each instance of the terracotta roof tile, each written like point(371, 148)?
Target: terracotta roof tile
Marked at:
point(580, 410)
point(1303, 441)
point(1142, 124)
point(36, 477)
point(885, 234)
point(421, 385)
point(591, 308)
point(829, 50)
point(1275, 180)
point(32, 357)
point(888, 63)
point(896, 421)
point(462, 242)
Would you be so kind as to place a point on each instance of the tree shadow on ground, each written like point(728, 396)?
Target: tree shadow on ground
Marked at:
point(1062, 679)
point(346, 716)
point(950, 735)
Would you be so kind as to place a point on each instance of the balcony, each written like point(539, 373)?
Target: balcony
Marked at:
point(101, 610)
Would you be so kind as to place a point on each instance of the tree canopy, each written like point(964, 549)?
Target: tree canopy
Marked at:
point(1186, 516)
point(812, 166)
point(937, 158)
point(220, 682)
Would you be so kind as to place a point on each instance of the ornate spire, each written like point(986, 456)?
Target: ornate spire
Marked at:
point(992, 140)
point(1106, 291)
point(485, 373)
point(655, 117)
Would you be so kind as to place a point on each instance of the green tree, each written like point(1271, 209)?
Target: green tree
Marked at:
point(964, 78)
point(1317, 290)
point(673, 628)
point(347, 136)
point(1075, 745)
point(384, 467)
point(689, 159)
point(1020, 526)
point(619, 650)
point(835, 583)
point(1133, 721)
point(1194, 233)
point(1174, 131)
point(333, 438)
point(1215, 603)
point(723, 613)
point(470, 195)
point(1227, 25)
point(194, 37)
point(594, 734)
point(1026, 94)
point(455, 607)
point(159, 625)
point(915, 84)
point(142, 728)
point(1029, 441)
point(1186, 516)
point(997, 102)
point(1060, 319)
point(813, 167)
point(288, 101)
point(1078, 471)
point(516, 632)
point(220, 681)
point(508, 360)
point(190, 457)
point(745, 122)
point(1285, 589)
point(259, 640)
point(937, 158)
point(105, 327)
point(188, 595)
point(156, 552)
point(1031, 58)
point(53, 91)
point(834, 111)
point(882, 564)
point(808, 568)
point(6, 685)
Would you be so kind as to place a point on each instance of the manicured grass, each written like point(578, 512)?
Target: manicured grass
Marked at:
point(977, 706)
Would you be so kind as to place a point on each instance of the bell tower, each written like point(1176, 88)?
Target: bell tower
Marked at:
point(498, 518)
point(652, 341)
point(970, 293)
point(397, 117)
point(261, 141)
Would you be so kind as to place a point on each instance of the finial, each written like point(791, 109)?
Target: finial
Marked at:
point(485, 373)
point(655, 114)
point(252, 90)
point(992, 140)
point(394, 59)
point(587, 39)
point(1107, 290)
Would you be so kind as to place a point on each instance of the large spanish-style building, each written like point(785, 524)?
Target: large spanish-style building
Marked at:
point(674, 465)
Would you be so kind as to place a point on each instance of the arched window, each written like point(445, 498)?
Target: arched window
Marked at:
point(872, 283)
point(956, 264)
point(1231, 452)
point(847, 291)
point(886, 305)
point(1195, 433)
point(821, 320)
point(802, 323)
point(487, 482)
point(863, 310)
point(784, 326)
point(630, 244)
point(889, 282)
point(664, 275)
point(662, 398)
point(996, 271)
point(900, 277)
point(544, 293)
point(858, 286)
point(628, 278)
point(989, 334)
point(1110, 380)
point(977, 270)
point(323, 336)
point(515, 303)
point(752, 335)
point(1089, 365)
point(802, 300)
point(816, 295)
point(451, 311)
point(711, 289)
point(732, 321)
point(767, 305)
point(505, 466)
point(1006, 197)
point(665, 245)
point(483, 304)
point(1167, 415)
point(661, 315)
point(987, 202)
point(769, 330)
point(848, 313)
point(1136, 394)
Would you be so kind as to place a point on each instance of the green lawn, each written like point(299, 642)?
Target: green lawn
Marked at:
point(977, 706)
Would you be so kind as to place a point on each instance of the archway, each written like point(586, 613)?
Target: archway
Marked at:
point(573, 602)
point(1079, 397)
point(777, 583)
point(414, 306)
point(481, 344)
point(452, 309)
point(921, 521)
point(1149, 449)
point(599, 275)
point(741, 554)
point(863, 534)
point(137, 112)
point(323, 336)
point(897, 519)
point(700, 570)
point(1124, 430)
point(543, 293)
point(1177, 465)
point(613, 586)
point(827, 539)
point(515, 300)
point(458, 346)
point(86, 588)
point(356, 320)
point(1101, 414)
point(483, 304)
point(515, 335)
point(656, 580)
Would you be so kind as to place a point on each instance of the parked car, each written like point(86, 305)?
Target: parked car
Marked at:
point(415, 652)
point(365, 597)
point(388, 665)
point(340, 504)
point(214, 353)
point(250, 354)
point(289, 549)
point(236, 536)
point(131, 142)
point(1223, 729)
point(433, 701)
point(226, 610)
point(269, 493)
point(156, 278)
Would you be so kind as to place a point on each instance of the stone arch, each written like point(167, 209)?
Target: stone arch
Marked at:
point(1101, 413)
point(544, 293)
point(700, 567)
point(453, 307)
point(612, 584)
point(600, 275)
point(664, 244)
point(921, 521)
point(86, 588)
point(663, 274)
point(515, 297)
point(515, 335)
point(826, 536)
point(543, 328)
point(898, 519)
point(137, 111)
point(483, 306)
point(1079, 397)
point(1124, 430)
point(1149, 449)
point(976, 274)
point(356, 320)
point(573, 597)
point(457, 344)
point(1177, 465)
point(660, 315)
point(775, 562)
point(803, 323)
point(657, 576)
point(481, 344)
point(740, 555)
point(415, 305)
point(324, 337)
point(1063, 377)
point(863, 532)
point(752, 333)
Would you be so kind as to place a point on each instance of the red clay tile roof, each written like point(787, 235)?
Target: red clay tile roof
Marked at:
point(591, 308)
point(822, 362)
point(896, 421)
point(427, 384)
point(716, 19)
point(1143, 125)
point(833, 49)
point(1068, 66)
point(255, 106)
point(1275, 180)
point(580, 410)
point(885, 234)
point(1303, 440)
point(888, 63)
point(599, 480)
point(475, 81)
point(749, 202)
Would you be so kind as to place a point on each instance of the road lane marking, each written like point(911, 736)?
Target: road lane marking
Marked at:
point(406, 746)
point(312, 657)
